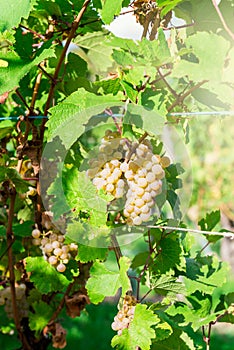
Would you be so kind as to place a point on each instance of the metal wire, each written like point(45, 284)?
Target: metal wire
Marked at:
point(176, 114)
point(18, 118)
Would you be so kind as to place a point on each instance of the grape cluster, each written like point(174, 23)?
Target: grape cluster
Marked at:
point(54, 250)
point(21, 301)
point(131, 170)
point(125, 314)
point(105, 169)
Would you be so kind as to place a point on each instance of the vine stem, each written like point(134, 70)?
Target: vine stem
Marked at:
point(10, 241)
point(180, 99)
point(74, 27)
point(228, 30)
point(61, 305)
point(207, 338)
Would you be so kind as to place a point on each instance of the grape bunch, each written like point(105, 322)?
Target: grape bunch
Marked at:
point(54, 250)
point(125, 315)
point(105, 170)
point(21, 301)
point(130, 170)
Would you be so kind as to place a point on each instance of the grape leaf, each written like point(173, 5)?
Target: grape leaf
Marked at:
point(103, 282)
point(198, 316)
point(86, 253)
point(98, 57)
point(176, 341)
point(208, 223)
point(9, 341)
point(17, 68)
point(168, 257)
point(205, 275)
point(166, 284)
point(82, 195)
point(40, 317)
point(139, 332)
point(44, 276)
point(110, 9)
point(68, 118)
point(163, 330)
point(210, 55)
point(148, 120)
point(12, 12)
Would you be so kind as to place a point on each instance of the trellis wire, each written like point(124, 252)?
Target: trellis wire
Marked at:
point(228, 234)
point(175, 114)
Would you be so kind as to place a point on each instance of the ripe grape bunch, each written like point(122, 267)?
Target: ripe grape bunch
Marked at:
point(125, 315)
point(21, 301)
point(54, 250)
point(130, 169)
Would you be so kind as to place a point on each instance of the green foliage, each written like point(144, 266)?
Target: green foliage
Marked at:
point(45, 277)
point(103, 282)
point(65, 242)
point(10, 17)
point(40, 316)
point(139, 332)
point(16, 67)
point(78, 108)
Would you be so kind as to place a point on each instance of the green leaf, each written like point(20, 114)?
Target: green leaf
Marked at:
point(87, 234)
point(17, 68)
point(205, 275)
point(82, 195)
point(99, 53)
point(86, 253)
point(68, 118)
point(166, 284)
point(167, 5)
point(44, 276)
point(103, 282)
point(168, 257)
point(139, 332)
point(110, 9)
point(13, 176)
point(23, 229)
point(209, 223)
point(147, 120)
point(210, 56)
point(12, 12)
point(23, 44)
point(40, 317)
point(175, 341)
point(163, 330)
point(130, 90)
point(197, 316)
point(9, 342)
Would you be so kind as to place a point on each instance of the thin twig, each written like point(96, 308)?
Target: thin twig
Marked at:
point(181, 98)
point(228, 30)
point(10, 241)
point(22, 99)
point(33, 32)
point(73, 30)
point(160, 78)
point(35, 92)
point(228, 234)
point(46, 74)
point(167, 84)
point(61, 304)
point(116, 248)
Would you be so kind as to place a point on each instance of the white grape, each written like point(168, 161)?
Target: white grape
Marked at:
point(61, 267)
point(36, 233)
